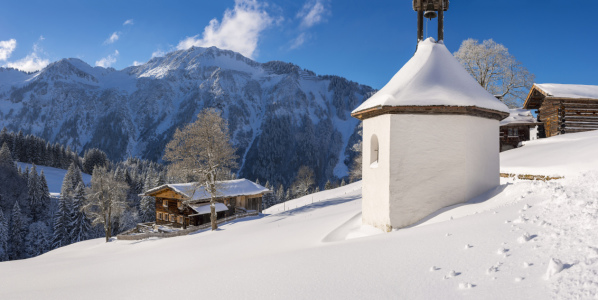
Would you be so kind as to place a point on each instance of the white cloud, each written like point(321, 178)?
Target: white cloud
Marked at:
point(312, 13)
point(158, 53)
point(113, 38)
point(128, 22)
point(6, 48)
point(136, 63)
point(41, 38)
point(239, 30)
point(108, 60)
point(30, 63)
point(298, 41)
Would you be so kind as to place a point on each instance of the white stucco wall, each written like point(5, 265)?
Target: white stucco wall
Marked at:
point(433, 161)
point(376, 194)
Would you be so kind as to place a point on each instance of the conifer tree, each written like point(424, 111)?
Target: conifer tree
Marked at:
point(34, 193)
point(343, 183)
point(44, 197)
point(328, 185)
point(62, 220)
point(37, 239)
point(18, 231)
point(80, 225)
point(71, 180)
point(280, 196)
point(5, 155)
point(3, 237)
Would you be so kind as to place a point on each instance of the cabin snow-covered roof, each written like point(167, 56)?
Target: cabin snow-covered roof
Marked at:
point(540, 92)
point(433, 77)
point(519, 116)
point(228, 188)
point(576, 91)
point(204, 208)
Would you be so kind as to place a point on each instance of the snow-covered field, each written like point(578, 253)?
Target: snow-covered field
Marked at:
point(500, 245)
point(54, 176)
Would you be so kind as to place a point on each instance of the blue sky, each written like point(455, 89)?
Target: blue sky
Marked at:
point(364, 41)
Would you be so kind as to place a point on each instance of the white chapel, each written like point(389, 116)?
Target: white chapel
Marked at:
point(430, 140)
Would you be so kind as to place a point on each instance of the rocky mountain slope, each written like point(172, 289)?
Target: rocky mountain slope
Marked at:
point(280, 116)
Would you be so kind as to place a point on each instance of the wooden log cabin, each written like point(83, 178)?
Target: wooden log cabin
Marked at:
point(184, 204)
point(516, 128)
point(564, 108)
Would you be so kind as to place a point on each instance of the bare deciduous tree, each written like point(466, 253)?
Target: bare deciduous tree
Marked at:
point(202, 151)
point(106, 199)
point(304, 181)
point(496, 70)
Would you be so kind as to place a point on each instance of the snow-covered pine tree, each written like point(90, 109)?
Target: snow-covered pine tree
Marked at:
point(37, 239)
point(328, 185)
point(3, 237)
point(34, 194)
point(18, 231)
point(343, 183)
point(45, 201)
point(280, 196)
point(81, 225)
point(147, 207)
point(71, 180)
point(62, 220)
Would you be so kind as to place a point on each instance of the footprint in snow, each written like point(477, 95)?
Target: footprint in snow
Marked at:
point(434, 268)
point(502, 251)
point(519, 279)
point(468, 246)
point(452, 274)
point(527, 265)
point(525, 237)
point(465, 285)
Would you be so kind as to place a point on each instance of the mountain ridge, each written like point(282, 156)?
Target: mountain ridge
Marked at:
point(134, 111)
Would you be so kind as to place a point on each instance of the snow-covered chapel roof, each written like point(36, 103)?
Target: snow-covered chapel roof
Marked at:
point(228, 188)
point(432, 77)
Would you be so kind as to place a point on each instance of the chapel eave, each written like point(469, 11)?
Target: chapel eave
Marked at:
point(431, 110)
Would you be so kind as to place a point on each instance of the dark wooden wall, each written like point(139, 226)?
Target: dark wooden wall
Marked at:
point(562, 116)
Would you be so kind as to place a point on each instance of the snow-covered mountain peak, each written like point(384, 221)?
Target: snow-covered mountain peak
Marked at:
point(280, 116)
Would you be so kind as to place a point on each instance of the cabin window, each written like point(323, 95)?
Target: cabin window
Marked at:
point(159, 216)
point(180, 205)
point(516, 131)
point(374, 151)
point(165, 203)
point(172, 218)
point(180, 219)
point(510, 131)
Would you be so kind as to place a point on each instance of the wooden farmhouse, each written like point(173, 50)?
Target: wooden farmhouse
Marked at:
point(182, 204)
point(564, 108)
point(516, 128)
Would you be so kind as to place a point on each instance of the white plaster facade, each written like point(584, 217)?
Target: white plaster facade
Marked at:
point(425, 163)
